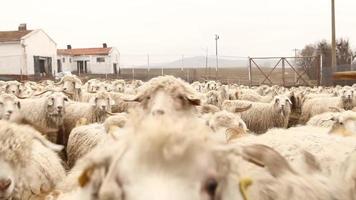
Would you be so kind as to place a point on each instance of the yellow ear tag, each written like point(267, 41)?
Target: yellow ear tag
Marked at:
point(244, 183)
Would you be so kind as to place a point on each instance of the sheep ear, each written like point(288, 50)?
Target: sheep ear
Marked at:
point(290, 102)
point(263, 155)
point(311, 162)
point(194, 100)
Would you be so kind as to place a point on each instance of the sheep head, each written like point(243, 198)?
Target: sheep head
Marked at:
point(282, 105)
point(167, 95)
point(56, 104)
point(9, 104)
point(164, 162)
point(71, 84)
point(13, 87)
point(344, 125)
point(102, 102)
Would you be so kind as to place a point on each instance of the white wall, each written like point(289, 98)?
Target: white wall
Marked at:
point(39, 44)
point(69, 64)
point(12, 58)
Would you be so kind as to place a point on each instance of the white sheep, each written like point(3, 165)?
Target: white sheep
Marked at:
point(28, 167)
point(9, 106)
point(97, 110)
point(263, 116)
point(46, 112)
point(315, 106)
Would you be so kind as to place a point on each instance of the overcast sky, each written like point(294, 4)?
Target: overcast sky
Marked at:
point(176, 27)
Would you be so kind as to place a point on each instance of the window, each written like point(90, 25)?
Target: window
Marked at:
point(100, 59)
point(70, 60)
point(64, 60)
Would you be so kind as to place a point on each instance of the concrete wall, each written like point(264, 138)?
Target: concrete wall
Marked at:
point(39, 44)
point(12, 59)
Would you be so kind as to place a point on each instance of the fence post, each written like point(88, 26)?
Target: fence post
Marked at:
point(321, 69)
point(283, 72)
point(250, 71)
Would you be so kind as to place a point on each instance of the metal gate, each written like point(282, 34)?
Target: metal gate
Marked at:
point(307, 72)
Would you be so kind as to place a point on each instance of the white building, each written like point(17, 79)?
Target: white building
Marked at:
point(27, 52)
point(102, 60)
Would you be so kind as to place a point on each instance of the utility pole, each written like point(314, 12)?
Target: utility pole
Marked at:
point(295, 63)
point(333, 39)
point(206, 63)
point(182, 63)
point(216, 54)
point(148, 62)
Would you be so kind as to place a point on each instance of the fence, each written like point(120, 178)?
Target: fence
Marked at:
point(286, 71)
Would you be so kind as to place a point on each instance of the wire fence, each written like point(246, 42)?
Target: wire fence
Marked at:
point(225, 68)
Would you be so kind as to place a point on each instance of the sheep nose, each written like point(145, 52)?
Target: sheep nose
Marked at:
point(158, 112)
point(59, 107)
point(103, 107)
point(4, 184)
point(9, 111)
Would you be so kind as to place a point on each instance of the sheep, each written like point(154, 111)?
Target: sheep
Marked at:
point(96, 110)
point(167, 95)
point(71, 86)
point(324, 142)
point(83, 139)
point(317, 106)
point(9, 106)
point(212, 98)
point(284, 181)
point(29, 168)
point(328, 119)
point(263, 116)
point(90, 85)
point(181, 155)
point(223, 123)
point(47, 112)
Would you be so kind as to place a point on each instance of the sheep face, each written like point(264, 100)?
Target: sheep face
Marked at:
point(91, 85)
point(282, 105)
point(9, 104)
point(13, 88)
point(71, 86)
point(7, 180)
point(102, 102)
point(162, 102)
point(211, 85)
point(56, 104)
point(173, 166)
point(212, 98)
point(344, 126)
point(347, 95)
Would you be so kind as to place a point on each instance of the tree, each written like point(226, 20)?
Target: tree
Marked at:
point(343, 52)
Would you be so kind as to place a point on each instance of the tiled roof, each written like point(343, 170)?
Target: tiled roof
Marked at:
point(10, 36)
point(84, 51)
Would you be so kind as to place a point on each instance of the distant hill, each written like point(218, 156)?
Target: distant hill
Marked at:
point(200, 62)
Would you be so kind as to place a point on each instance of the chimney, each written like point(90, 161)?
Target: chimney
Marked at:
point(22, 27)
point(69, 46)
point(105, 45)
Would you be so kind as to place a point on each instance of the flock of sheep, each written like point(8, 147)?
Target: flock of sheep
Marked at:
point(168, 139)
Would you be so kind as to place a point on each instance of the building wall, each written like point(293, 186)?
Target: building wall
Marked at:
point(68, 65)
point(39, 44)
point(12, 60)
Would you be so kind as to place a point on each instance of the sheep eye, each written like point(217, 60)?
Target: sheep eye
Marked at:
point(1, 103)
point(341, 123)
point(210, 186)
